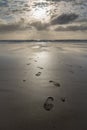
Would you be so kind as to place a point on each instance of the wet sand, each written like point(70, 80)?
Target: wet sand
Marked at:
point(43, 86)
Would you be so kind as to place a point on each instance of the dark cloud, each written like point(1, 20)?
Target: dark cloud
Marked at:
point(10, 27)
point(20, 25)
point(39, 25)
point(77, 28)
point(3, 3)
point(67, 0)
point(41, 4)
point(64, 19)
point(61, 0)
point(72, 28)
point(5, 27)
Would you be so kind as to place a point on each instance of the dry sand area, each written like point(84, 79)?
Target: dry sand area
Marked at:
point(43, 86)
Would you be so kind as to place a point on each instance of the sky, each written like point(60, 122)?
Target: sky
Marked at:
point(43, 19)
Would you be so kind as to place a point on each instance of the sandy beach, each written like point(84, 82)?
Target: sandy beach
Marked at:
point(43, 86)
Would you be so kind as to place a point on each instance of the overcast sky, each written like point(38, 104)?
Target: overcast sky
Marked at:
point(43, 19)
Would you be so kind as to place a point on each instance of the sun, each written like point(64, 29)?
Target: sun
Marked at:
point(40, 11)
point(40, 14)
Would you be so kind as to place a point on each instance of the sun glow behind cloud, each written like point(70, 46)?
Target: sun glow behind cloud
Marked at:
point(39, 16)
point(39, 11)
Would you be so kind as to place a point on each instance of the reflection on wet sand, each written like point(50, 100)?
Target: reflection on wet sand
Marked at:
point(44, 94)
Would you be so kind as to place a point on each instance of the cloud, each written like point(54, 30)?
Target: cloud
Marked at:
point(2, 22)
point(72, 28)
point(3, 3)
point(61, 0)
point(41, 4)
point(39, 25)
point(64, 19)
point(67, 0)
point(10, 27)
point(19, 25)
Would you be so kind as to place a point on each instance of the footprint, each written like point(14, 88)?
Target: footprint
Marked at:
point(40, 68)
point(71, 71)
point(70, 65)
point(55, 83)
point(30, 58)
point(80, 67)
point(35, 60)
point(38, 74)
point(51, 81)
point(24, 80)
point(63, 99)
point(28, 63)
point(48, 105)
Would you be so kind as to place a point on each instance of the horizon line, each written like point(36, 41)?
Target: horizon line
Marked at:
point(45, 40)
